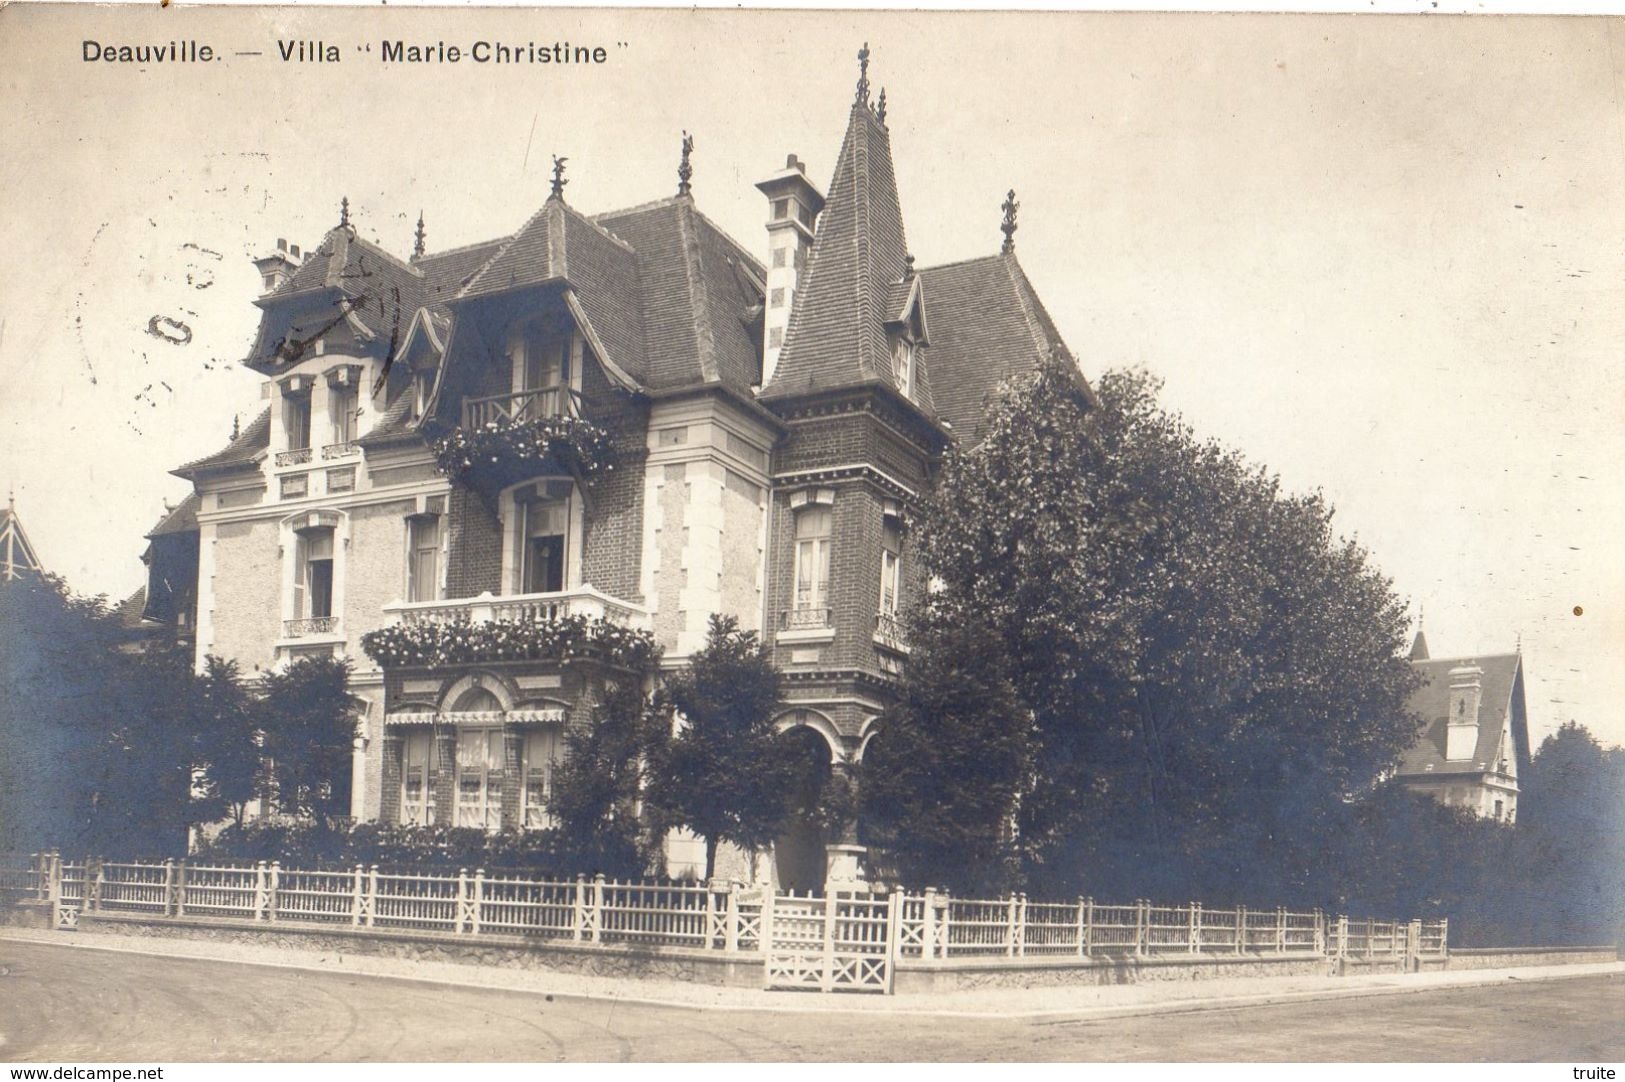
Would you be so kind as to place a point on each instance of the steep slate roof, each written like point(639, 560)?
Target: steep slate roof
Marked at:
point(697, 289)
point(987, 325)
point(446, 273)
point(559, 244)
point(837, 334)
point(1502, 679)
point(182, 518)
point(130, 611)
point(250, 443)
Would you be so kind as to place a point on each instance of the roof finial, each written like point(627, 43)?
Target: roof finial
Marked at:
point(908, 266)
point(344, 212)
point(685, 170)
point(558, 176)
point(418, 239)
point(880, 110)
point(236, 426)
point(863, 75)
point(1008, 226)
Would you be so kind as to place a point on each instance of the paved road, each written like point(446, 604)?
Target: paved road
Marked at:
point(66, 1004)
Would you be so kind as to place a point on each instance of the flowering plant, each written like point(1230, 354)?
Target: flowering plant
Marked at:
point(580, 447)
point(428, 645)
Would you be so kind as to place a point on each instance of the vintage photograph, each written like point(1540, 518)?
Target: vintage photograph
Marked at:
point(772, 536)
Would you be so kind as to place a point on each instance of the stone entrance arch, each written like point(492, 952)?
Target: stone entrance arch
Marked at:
point(800, 859)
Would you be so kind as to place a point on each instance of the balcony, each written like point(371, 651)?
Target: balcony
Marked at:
point(806, 624)
point(298, 456)
point(521, 406)
point(583, 601)
point(310, 626)
point(339, 450)
point(889, 632)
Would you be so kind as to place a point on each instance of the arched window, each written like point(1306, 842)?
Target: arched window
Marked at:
point(479, 763)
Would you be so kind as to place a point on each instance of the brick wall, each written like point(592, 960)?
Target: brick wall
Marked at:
point(474, 562)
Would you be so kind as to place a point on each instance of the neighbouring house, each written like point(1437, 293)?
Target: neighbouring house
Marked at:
point(1474, 745)
point(525, 467)
point(17, 559)
point(163, 612)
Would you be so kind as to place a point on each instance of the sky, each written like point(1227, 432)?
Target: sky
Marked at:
point(1381, 255)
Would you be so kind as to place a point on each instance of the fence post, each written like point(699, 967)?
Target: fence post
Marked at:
point(894, 935)
point(1444, 937)
point(259, 890)
point(1021, 925)
point(578, 916)
point(271, 899)
point(477, 903)
point(1083, 927)
point(50, 879)
point(1320, 931)
point(1413, 945)
point(180, 888)
point(169, 886)
point(1195, 911)
point(1241, 929)
point(928, 924)
point(1142, 921)
point(730, 919)
point(1280, 930)
point(93, 884)
point(764, 934)
point(356, 877)
point(598, 908)
point(1370, 942)
point(827, 980)
point(372, 895)
point(457, 923)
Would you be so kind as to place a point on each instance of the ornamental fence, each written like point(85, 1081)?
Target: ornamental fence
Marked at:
point(838, 939)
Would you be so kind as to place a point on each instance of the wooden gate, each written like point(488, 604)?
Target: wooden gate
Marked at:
point(841, 942)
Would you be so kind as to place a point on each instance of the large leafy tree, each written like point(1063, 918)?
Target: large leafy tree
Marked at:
point(309, 724)
point(723, 775)
point(229, 739)
point(599, 781)
point(1204, 667)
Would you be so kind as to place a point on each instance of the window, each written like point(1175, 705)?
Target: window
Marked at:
point(547, 363)
point(1499, 808)
point(417, 793)
point(296, 420)
point(479, 778)
point(423, 558)
point(891, 565)
point(543, 527)
point(422, 385)
point(539, 754)
point(342, 412)
point(313, 574)
point(903, 361)
point(813, 527)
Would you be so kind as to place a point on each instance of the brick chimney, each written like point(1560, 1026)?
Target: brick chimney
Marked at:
point(1461, 727)
point(279, 266)
point(793, 208)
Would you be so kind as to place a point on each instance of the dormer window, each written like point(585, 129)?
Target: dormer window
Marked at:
point(903, 359)
point(422, 385)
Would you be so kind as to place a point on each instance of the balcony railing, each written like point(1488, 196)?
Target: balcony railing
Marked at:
point(296, 457)
point(311, 625)
point(340, 450)
point(889, 631)
point(582, 601)
point(804, 619)
point(521, 406)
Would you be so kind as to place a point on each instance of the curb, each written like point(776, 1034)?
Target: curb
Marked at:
point(870, 1004)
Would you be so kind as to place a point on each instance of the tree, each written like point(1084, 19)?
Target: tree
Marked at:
point(1204, 667)
point(724, 776)
point(229, 739)
point(309, 726)
point(940, 779)
point(598, 783)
